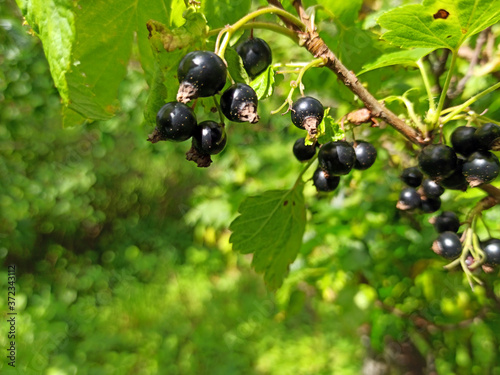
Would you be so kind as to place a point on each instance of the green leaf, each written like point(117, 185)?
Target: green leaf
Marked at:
point(263, 84)
point(235, 66)
point(405, 57)
point(329, 130)
point(53, 22)
point(156, 98)
point(220, 13)
point(428, 25)
point(271, 226)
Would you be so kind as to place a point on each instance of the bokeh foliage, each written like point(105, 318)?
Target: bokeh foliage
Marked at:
point(123, 254)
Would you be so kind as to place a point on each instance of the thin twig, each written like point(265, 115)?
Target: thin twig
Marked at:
point(311, 40)
point(459, 89)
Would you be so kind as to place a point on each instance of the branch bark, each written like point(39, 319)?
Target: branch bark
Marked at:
point(311, 40)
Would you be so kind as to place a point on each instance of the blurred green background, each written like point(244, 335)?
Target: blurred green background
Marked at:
point(124, 265)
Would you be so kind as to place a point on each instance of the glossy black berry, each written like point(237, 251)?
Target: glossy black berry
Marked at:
point(482, 167)
point(456, 181)
point(491, 249)
point(447, 245)
point(432, 189)
point(430, 205)
point(239, 103)
point(209, 137)
point(325, 182)
point(307, 113)
point(366, 154)
point(303, 152)
point(176, 122)
point(437, 161)
point(200, 74)
point(488, 135)
point(409, 199)
point(447, 221)
point(337, 158)
point(256, 56)
point(464, 140)
point(412, 176)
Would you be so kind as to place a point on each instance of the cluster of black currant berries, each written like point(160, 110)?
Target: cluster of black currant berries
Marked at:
point(334, 158)
point(469, 162)
point(449, 246)
point(203, 74)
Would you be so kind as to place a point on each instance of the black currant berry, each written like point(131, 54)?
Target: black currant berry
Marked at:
point(324, 181)
point(366, 154)
point(488, 136)
point(175, 122)
point(256, 56)
point(491, 249)
point(209, 137)
point(464, 141)
point(432, 189)
point(482, 167)
point(447, 245)
point(447, 221)
point(409, 199)
point(456, 181)
point(239, 103)
point(303, 152)
point(412, 176)
point(337, 158)
point(307, 113)
point(200, 74)
point(430, 205)
point(437, 161)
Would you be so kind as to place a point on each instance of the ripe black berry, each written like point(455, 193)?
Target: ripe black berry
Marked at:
point(209, 137)
point(175, 122)
point(337, 158)
point(447, 221)
point(307, 113)
point(200, 74)
point(303, 152)
point(409, 199)
point(464, 140)
point(491, 249)
point(412, 177)
point(256, 56)
point(456, 181)
point(488, 135)
point(324, 181)
point(447, 245)
point(366, 154)
point(430, 205)
point(239, 103)
point(432, 189)
point(482, 167)
point(437, 161)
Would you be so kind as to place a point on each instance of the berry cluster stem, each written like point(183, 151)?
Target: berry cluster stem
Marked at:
point(231, 29)
point(444, 92)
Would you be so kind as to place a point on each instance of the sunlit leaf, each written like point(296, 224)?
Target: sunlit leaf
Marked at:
point(271, 226)
point(404, 57)
point(439, 23)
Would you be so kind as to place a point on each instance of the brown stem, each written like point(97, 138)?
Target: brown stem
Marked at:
point(481, 40)
point(311, 40)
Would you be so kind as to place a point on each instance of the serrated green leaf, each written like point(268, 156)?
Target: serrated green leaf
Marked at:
point(53, 22)
point(422, 26)
point(345, 11)
point(405, 57)
point(263, 84)
point(329, 130)
point(235, 66)
point(156, 97)
point(271, 227)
